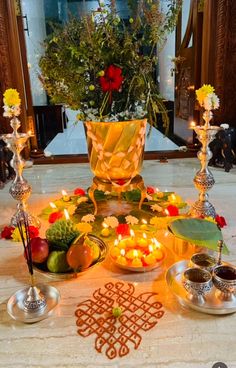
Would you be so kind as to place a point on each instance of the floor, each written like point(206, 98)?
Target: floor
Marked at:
point(73, 141)
point(183, 338)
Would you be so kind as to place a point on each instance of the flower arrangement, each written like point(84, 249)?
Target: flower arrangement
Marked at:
point(207, 98)
point(104, 66)
point(12, 101)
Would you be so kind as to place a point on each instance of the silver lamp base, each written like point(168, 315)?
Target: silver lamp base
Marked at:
point(33, 304)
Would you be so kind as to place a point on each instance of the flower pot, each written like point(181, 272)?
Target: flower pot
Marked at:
point(116, 149)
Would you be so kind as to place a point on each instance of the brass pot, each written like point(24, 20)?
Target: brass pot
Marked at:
point(116, 149)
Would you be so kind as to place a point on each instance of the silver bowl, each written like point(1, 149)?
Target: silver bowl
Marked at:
point(197, 282)
point(203, 261)
point(42, 268)
point(224, 279)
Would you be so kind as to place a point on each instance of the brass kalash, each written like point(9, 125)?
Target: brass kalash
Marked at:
point(115, 152)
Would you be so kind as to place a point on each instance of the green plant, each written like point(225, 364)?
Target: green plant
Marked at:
point(104, 66)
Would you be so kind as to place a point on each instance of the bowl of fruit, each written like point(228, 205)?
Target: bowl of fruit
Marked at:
point(137, 254)
point(65, 253)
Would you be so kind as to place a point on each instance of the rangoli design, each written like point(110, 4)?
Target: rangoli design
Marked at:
point(116, 335)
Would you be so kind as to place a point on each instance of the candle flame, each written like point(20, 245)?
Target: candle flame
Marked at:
point(29, 132)
point(157, 189)
point(63, 192)
point(135, 253)
point(122, 252)
point(166, 212)
point(144, 235)
point(192, 124)
point(157, 243)
point(116, 242)
point(150, 248)
point(119, 237)
point(67, 216)
point(144, 221)
point(173, 197)
point(52, 205)
point(166, 233)
point(132, 234)
point(105, 225)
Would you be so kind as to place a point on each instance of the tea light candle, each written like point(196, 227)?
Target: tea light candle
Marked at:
point(53, 206)
point(142, 242)
point(65, 196)
point(105, 231)
point(144, 224)
point(121, 259)
point(66, 214)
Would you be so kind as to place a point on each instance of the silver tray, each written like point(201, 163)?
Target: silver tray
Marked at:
point(212, 304)
point(15, 306)
point(71, 274)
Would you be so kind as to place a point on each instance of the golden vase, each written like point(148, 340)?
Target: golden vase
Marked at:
point(116, 149)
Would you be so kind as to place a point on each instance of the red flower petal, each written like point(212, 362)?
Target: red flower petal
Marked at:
point(173, 210)
point(123, 229)
point(112, 79)
point(79, 191)
point(220, 221)
point(33, 232)
point(55, 216)
point(150, 190)
point(7, 232)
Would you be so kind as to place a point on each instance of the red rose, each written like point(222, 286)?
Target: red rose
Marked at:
point(150, 190)
point(79, 191)
point(173, 210)
point(112, 79)
point(55, 216)
point(33, 232)
point(123, 229)
point(220, 221)
point(120, 181)
point(7, 232)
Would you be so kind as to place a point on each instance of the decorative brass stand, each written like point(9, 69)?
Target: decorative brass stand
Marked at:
point(136, 183)
point(20, 189)
point(204, 179)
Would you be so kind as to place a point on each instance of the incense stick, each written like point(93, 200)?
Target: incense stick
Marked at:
point(23, 227)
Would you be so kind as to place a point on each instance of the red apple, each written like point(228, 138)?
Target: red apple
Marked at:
point(39, 249)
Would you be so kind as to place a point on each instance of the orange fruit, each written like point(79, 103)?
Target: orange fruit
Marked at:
point(79, 257)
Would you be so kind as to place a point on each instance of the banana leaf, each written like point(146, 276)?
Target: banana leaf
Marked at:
point(200, 232)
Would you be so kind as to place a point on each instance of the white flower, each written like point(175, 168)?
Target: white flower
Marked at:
point(156, 207)
point(88, 218)
point(224, 126)
point(111, 221)
point(215, 101)
point(82, 199)
point(131, 220)
point(207, 102)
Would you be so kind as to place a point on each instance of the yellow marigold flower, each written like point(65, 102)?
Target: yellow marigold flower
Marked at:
point(11, 97)
point(84, 227)
point(211, 219)
point(175, 199)
point(203, 92)
point(159, 194)
point(16, 235)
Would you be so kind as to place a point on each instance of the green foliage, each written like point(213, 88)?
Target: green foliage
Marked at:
point(78, 54)
point(200, 232)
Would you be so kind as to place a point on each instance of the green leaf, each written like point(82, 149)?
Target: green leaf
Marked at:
point(200, 232)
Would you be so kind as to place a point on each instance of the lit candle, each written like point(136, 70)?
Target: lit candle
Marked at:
point(65, 196)
point(150, 248)
point(29, 133)
point(172, 198)
point(142, 242)
point(105, 231)
point(132, 234)
point(121, 259)
point(167, 212)
point(53, 206)
point(67, 216)
point(144, 224)
point(192, 124)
